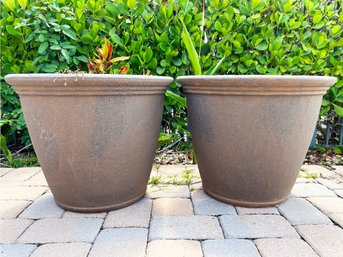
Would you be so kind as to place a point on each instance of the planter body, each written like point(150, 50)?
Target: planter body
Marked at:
point(95, 135)
point(251, 133)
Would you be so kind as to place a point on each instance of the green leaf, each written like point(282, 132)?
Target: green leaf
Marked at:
point(177, 98)
point(22, 3)
point(55, 47)
point(214, 69)
point(326, 103)
point(263, 46)
point(338, 110)
point(70, 33)
point(50, 68)
point(131, 4)
point(317, 17)
point(254, 3)
point(218, 26)
point(335, 29)
point(43, 46)
point(66, 55)
point(192, 53)
point(82, 58)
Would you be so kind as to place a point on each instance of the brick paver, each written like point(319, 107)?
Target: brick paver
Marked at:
point(252, 211)
point(337, 218)
point(328, 204)
point(172, 220)
point(284, 247)
point(62, 231)
point(10, 209)
point(172, 207)
point(135, 215)
point(185, 227)
point(326, 240)
point(3, 171)
point(310, 190)
point(229, 247)
point(174, 248)
point(16, 250)
point(256, 226)
point(43, 207)
point(21, 174)
point(298, 211)
point(37, 180)
point(11, 229)
point(120, 242)
point(205, 205)
point(21, 192)
point(168, 191)
point(62, 249)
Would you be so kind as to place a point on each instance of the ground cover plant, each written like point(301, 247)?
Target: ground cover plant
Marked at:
point(245, 37)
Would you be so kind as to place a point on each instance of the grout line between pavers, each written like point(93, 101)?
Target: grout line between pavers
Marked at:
point(149, 226)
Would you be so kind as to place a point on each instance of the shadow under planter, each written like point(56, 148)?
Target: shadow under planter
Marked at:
point(95, 135)
point(251, 133)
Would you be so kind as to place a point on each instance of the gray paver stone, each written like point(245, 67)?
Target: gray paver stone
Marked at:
point(337, 218)
point(166, 191)
point(284, 247)
point(61, 231)
point(310, 190)
point(9, 209)
point(120, 242)
point(21, 174)
point(205, 205)
point(172, 207)
point(135, 215)
point(256, 226)
point(326, 240)
point(21, 192)
point(317, 169)
point(328, 204)
point(185, 227)
point(37, 180)
point(11, 229)
point(174, 248)
point(229, 247)
point(252, 211)
point(3, 171)
point(43, 207)
point(298, 211)
point(70, 214)
point(62, 249)
point(334, 182)
point(339, 192)
point(16, 250)
point(338, 169)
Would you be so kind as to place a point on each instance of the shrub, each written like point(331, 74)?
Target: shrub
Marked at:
point(253, 37)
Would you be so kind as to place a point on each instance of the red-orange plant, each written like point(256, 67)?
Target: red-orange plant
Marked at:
point(102, 63)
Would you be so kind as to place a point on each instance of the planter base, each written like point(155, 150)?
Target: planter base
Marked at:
point(100, 208)
point(244, 203)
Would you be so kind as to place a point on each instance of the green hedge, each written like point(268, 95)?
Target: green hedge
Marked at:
point(255, 37)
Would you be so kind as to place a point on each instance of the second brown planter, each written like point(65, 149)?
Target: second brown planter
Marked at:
point(251, 133)
point(95, 135)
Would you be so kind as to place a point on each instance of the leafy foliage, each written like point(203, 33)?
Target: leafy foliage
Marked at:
point(103, 63)
point(230, 37)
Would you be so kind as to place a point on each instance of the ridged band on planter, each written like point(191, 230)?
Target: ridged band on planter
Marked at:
point(95, 135)
point(251, 133)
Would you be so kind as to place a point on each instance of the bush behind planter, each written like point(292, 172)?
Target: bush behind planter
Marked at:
point(255, 37)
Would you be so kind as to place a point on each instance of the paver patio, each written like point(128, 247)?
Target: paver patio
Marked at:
point(173, 221)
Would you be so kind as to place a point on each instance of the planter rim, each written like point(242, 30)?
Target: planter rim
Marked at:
point(87, 84)
point(256, 84)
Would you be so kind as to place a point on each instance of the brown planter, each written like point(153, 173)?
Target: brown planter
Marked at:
point(251, 133)
point(95, 135)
